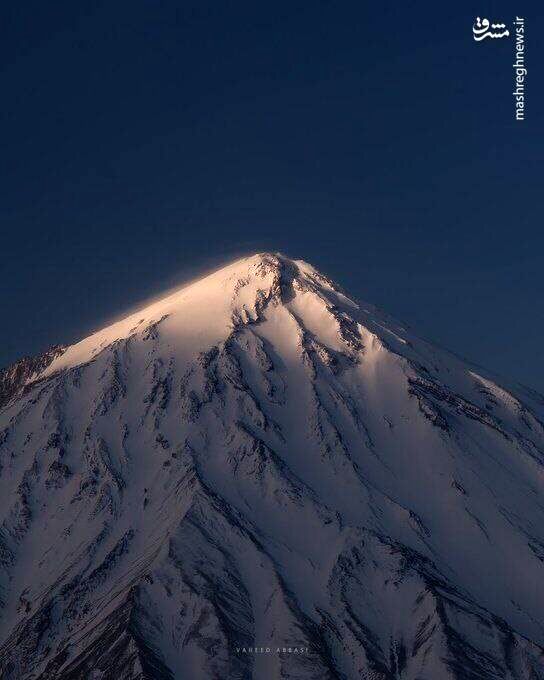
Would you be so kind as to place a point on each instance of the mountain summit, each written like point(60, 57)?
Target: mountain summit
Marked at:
point(258, 477)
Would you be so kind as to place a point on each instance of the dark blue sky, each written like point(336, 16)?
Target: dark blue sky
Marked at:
point(142, 141)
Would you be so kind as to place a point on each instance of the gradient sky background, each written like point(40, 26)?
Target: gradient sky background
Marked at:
point(144, 141)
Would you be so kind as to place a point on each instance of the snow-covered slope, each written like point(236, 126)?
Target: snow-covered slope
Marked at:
point(258, 461)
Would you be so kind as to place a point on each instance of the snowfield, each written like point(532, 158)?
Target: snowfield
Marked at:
point(258, 460)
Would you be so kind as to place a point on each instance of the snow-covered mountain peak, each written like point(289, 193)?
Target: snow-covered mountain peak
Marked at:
point(257, 460)
point(203, 312)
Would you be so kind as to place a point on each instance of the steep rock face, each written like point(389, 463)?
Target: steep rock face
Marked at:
point(15, 377)
point(258, 461)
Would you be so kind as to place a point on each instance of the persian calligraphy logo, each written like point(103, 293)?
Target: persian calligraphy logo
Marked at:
point(484, 29)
